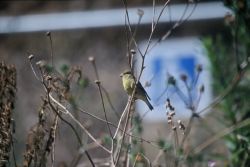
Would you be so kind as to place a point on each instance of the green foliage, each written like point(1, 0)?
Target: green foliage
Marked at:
point(136, 148)
point(171, 81)
point(72, 102)
point(163, 145)
point(48, 68)
point(194, 159)
point(106, 139)
point(83, 82)
point(65, 69)
point(227, 58)
point(137, 124)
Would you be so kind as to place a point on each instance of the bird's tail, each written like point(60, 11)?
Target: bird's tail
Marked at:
point(149, 104)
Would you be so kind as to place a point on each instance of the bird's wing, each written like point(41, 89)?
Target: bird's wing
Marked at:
point(140, 87)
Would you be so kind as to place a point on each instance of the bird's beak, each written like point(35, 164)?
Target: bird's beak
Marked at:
point(121, 74)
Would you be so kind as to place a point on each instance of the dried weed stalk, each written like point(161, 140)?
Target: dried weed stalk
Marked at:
point(7, 99)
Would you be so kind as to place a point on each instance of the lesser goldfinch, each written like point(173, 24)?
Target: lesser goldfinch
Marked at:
point(128, 81)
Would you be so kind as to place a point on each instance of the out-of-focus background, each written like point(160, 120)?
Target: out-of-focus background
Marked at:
point(92, 28)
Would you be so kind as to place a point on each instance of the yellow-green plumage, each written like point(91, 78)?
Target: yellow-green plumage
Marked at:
point(128, 82)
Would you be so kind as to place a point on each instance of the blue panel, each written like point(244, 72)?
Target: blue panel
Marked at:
point(157, 82)
point(157, 65)
point(187, 64)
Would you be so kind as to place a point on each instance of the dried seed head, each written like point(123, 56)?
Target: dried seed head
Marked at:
point(97, 82)
point(202, 88)
point(168, 105)
point(243, 65)
point(45, 102)
point(140, 12)
point(172, 113)
point(182, 127)
point(199, 68)
point(49, 89)
point(183, 77)
point(229, 19)
point(147, 84)
point(91, 59)
point(41, 115)
point(48, 78)
point(171, 80)
point(31, 56)
point(2, 64)
point(41, 63)
point(174, 128)
point(48, 33)
point(132, 51)
point(138, 158)
point(171, 108)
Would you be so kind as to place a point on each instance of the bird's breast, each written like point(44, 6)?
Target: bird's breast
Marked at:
point(128, 85)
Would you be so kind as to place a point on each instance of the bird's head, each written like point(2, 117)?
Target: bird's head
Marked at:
point(125, 73)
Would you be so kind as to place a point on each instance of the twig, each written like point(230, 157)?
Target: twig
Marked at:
point(130, 139)
point(157, 158)
point(125, 126)
point(198, 101)
point(153, 18)
point(189, 91)
point(118, 128)
point(177, 24)
point(236, 44)
point(127, 20)
point(230, 87)
point(187, 131)
point(32, 68)
point(140, 73)
point(110, 102)
point(55, 110)
point(136, 28)
point(103, 106)
point(54, 142)
point(13, 151)
point(68, 123)
point(98, 82)
point(121, 118)
point(136, 157)
point(195, 81)
point(92, 60)
point(78, 123)
point(145, 157)
point(51, 49)
point(222, 133)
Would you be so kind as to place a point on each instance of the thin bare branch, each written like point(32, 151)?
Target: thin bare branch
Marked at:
point(78, 123)
point(51, 49)
point(219, 135)
point(103, 106)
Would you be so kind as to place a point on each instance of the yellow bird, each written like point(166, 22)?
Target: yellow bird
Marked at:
point(128, 81)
